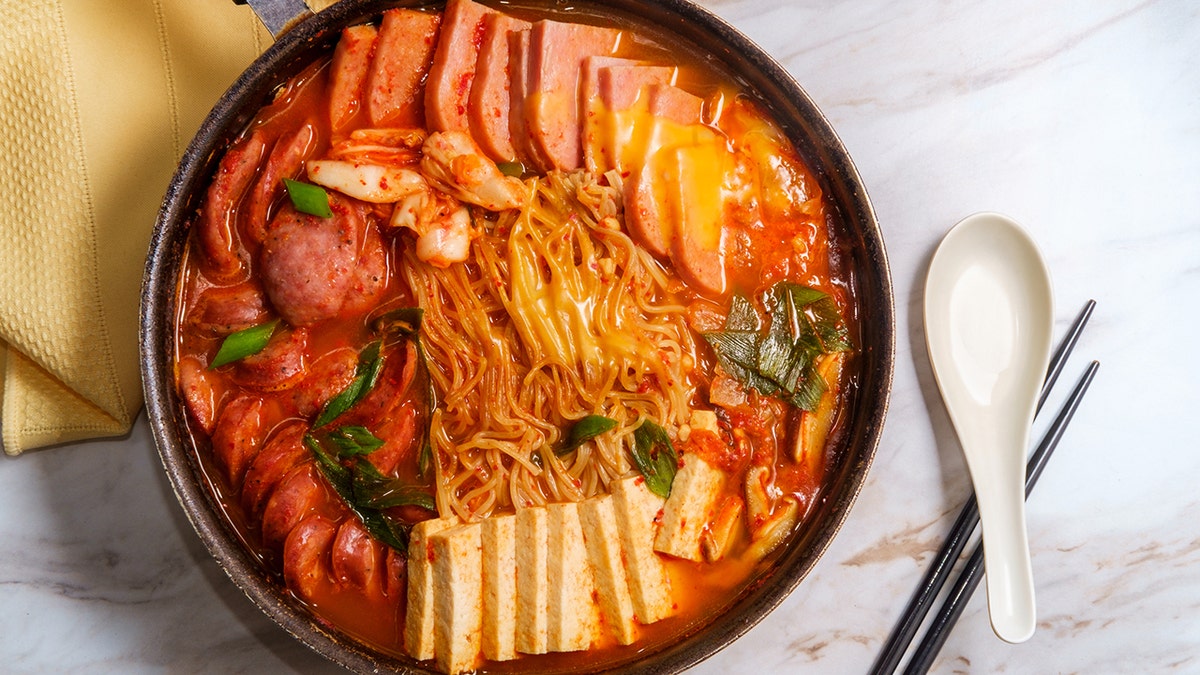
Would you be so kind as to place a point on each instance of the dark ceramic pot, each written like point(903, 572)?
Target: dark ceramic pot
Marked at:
point(858, 242)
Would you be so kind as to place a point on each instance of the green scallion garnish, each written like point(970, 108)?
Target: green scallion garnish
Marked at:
point(308, 198)
point(245, 342)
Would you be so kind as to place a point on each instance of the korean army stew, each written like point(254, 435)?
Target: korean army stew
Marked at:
point(506, 334)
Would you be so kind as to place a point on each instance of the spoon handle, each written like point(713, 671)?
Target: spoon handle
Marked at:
point(1010, 594)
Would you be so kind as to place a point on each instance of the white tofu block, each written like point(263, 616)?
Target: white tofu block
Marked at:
point(457, 565)
point(689, 509)
point(500, 587)
point(636, 509)
point(603, 541)
point(572, 620)
point(532, 591)
point(418, 621)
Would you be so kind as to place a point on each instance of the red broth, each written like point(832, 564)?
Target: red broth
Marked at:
point(782, 234)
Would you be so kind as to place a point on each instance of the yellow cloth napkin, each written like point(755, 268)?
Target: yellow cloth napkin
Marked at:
point(98, 100)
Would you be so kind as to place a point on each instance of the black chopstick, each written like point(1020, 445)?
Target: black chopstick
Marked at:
point(918, 607)
point(968, 579)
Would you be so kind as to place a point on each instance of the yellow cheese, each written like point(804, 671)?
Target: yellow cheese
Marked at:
point(603, 540)
point(457, 597)
point(500, 587)
point(636, 508)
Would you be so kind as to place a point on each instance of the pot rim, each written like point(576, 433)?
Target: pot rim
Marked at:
point(867, 270)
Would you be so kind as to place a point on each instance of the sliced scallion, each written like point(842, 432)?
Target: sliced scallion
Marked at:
point(585, 430)
point(308, 198)
point(655, 457)
point(514, 169)
point(245, 342)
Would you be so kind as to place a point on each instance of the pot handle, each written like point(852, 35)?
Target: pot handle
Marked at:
point(278, 15)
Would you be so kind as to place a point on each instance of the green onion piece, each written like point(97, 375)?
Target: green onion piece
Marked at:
point(373, 490)
point(585, 430)
point(405, 322)
point(246, 342)
point(308, 198)
point(354, 440)
point(368, 492)
point(780, 361)
point(337, 475)
point(514, 169)
point(655, 457)
point(742, 315)
point(365, 375)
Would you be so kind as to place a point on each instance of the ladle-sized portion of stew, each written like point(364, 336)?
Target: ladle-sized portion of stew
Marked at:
point(511, 334)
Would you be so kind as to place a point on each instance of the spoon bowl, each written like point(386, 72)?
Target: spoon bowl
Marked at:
point(989, 315)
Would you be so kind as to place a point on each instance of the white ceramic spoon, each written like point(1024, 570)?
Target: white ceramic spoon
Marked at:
point(989, 315)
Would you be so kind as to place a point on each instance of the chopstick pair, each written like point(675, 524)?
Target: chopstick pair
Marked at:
point(939, 572)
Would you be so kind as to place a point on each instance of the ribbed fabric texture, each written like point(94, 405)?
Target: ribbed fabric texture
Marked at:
point(98, 100)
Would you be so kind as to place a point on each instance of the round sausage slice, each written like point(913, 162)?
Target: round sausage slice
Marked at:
point(308, 262)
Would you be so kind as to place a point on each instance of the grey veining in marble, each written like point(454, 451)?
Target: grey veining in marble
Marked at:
point(1080, 120)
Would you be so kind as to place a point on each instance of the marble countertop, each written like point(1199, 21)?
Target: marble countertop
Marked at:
point(1080, 120)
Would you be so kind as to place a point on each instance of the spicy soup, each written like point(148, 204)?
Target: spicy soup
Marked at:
point(508, 334)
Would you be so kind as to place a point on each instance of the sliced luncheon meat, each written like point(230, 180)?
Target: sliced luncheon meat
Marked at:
point(357, 559)
point(369, 279)
point(238, 434)
point(552, 106)
point(300, 493)
point(306, 555)
point(615, 137)
point(518, 94)
point(697, 248)
point(308, 262)
point(217, 227)
point(403, 53)
point(448, 90)
point(327, 376)
point(282, 453)
point(278, 366)
point(286, 161)
point(348, 74)
point(489, 103)
point(222, 310)
point(675, 104)
point(198, 394)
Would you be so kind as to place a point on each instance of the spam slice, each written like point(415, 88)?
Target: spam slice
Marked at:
point(457, 597)
point(552, 120)
point(450, 77)
point(689, 509)
point(636, 509)
point(403, 53)
point(348, 73)
point(489, 105)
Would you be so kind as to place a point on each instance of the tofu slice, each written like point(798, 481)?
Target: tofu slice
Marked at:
point(500, 587)
point(457, 566)
point(603, 541)
point(571, 612)
point(418, 622)
point(689, 509)
point(532, 587)
point(636, 509)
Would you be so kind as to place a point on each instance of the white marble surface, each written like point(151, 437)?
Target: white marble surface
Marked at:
point(1079, 119)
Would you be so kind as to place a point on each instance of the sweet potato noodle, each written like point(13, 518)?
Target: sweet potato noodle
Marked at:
point(508, 333)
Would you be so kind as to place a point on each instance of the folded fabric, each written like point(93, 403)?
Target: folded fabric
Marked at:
point(98, 100)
